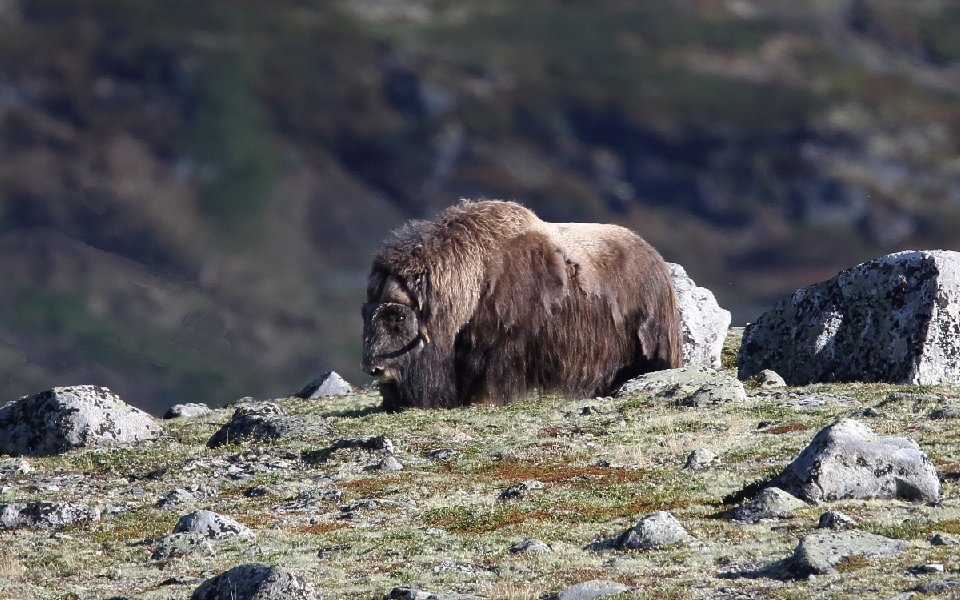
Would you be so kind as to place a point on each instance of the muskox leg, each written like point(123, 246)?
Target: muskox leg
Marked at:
point(392, 398)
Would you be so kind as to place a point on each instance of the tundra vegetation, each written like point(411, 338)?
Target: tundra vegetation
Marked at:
point(438, 501)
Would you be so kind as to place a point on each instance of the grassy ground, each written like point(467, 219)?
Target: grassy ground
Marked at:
point(440, 524)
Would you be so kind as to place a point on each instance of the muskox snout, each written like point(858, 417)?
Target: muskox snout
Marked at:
point(375, 372)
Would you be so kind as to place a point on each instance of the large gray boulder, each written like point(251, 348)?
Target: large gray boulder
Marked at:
point(256, 581)
point(894, 319)
point(848, 460)
point(703, 323)
point(64, 418)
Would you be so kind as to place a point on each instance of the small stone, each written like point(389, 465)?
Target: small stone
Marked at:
point(819, 553)
point(442, 454)
point(701, 459)
point(834, 519)
point(531, 546)
point(595, 588)
point(944, 539)
point(328, 384)
point(212, 525)
point(390, 463)
point(518, 491)
point(653, 531)
point(181, 544)
point(770, 503)
point(403, 593)
point(371, 442)
point(768, 378)
point(257, 491)
point(187, 410)
point(175, 498)
point(256, 582)
point(927, 569)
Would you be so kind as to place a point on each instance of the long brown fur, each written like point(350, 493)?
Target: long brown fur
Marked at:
point(507, 303)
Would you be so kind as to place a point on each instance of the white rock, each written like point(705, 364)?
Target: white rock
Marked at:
point(211, 525)
point(894, 319)
point(328, 384)
point(703, 323)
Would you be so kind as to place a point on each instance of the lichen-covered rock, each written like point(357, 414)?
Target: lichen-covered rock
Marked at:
point(701, 459)
point(848, 460)
point(703, 324)
point(328, 384)
point(256, 581)
point(45, 514)
point(894, 319)
point(770, 503)
point(834, 519)
point(687, 386)
point(187, 410)
point(181, 544)
point(653, 531)
point(211, 525)
point(266, 421)
point(58, 420)
point(819, 553)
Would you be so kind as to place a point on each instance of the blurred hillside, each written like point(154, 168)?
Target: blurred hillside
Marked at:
point(190, 192)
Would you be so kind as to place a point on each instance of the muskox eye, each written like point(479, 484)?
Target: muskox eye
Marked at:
point(400, 318)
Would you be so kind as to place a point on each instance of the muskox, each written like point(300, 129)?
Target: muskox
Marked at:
point(487, 302)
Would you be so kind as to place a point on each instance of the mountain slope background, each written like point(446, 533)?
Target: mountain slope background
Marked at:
point(190, 192)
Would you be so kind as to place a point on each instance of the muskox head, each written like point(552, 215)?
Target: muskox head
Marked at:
point(391, 336)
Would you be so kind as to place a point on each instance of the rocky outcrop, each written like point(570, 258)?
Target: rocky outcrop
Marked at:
point(64, 418)
point(703, 323)
point(848, 460)
point(894, 319)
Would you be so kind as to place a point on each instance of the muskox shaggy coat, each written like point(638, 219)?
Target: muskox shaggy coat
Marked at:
point(488, 302)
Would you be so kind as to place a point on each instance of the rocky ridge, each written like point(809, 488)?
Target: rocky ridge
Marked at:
point(539, 498)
